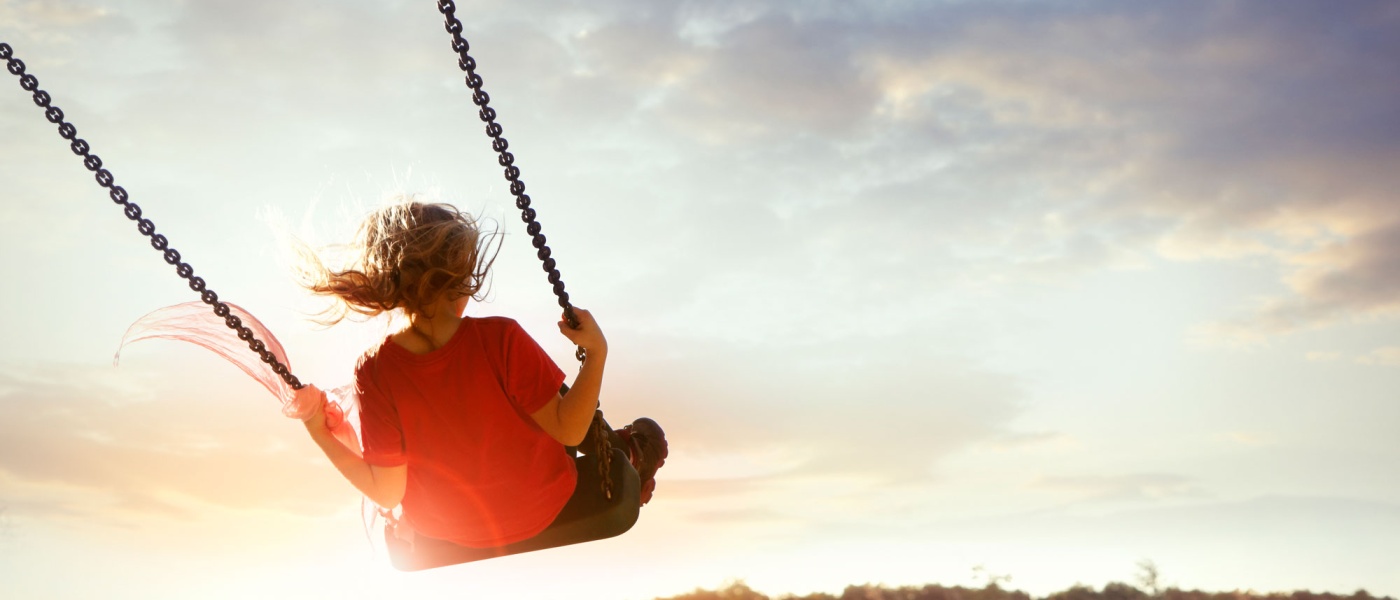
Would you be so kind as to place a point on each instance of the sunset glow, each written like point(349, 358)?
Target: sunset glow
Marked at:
point(1045, 288)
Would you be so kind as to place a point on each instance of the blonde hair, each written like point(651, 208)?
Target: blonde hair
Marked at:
point(408, 255)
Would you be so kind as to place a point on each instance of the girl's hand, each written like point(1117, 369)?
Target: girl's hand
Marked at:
point(588, 335)
point(315, 398)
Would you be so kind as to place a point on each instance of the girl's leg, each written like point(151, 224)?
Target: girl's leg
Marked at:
point(645, 445)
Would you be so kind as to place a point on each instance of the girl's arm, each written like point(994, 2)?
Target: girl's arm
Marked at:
point(566, 418)
point(383, 485)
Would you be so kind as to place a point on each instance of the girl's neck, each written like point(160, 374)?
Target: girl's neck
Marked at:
point(436, 331)
point(427, 333)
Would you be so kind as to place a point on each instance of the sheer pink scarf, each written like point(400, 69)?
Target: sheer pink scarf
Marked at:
point(195, 322)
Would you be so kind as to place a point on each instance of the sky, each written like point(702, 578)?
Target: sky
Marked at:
point(915, 287)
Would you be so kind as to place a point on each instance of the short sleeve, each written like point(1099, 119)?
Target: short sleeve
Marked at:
point(531, 377)
point(379, 419)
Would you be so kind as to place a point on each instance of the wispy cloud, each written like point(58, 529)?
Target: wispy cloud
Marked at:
point(1320, 356)
point(1386, 356)
point(899, 415)
point(86, 443)
point(31, 17)
point(1115, 488)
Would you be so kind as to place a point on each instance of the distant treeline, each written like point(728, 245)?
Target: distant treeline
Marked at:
point(1112, 591)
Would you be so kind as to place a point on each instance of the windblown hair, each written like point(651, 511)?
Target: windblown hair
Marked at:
point(407, 255)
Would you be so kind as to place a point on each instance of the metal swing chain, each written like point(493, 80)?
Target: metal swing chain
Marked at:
point(119, 195)
point(448, 8)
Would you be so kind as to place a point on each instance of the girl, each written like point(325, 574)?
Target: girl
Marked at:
point(463, 419)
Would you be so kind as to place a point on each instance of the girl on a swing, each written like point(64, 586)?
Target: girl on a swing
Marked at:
point(463, 419)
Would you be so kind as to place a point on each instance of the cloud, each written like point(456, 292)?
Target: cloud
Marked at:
point(1010, 146)
point(1137, 486)
point(1032, 440)
point(967, 144)
point(1248, 438)
point(774, 418)
point(1386, 356)
point(34, 17)
point(1234, 140)
point(117, 447)
point(1290, 191)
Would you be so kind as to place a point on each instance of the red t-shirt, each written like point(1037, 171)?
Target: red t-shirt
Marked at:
point(481, 472)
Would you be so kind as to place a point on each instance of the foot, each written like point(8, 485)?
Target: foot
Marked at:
point(646, 446)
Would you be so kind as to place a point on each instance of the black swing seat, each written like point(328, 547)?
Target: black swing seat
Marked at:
point(609, 519)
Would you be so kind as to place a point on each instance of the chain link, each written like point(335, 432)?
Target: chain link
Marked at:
point(133, 212)
point(506, 160)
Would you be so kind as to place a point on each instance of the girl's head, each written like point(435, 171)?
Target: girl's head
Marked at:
point(409, 255)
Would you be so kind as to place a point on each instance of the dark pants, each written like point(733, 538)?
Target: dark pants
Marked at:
point(588, 516)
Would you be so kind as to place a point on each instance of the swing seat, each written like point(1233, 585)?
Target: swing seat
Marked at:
point(612, 518)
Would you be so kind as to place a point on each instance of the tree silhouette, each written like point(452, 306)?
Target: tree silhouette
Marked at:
point(1149, 578)
point(993, 580)
point(738, 590)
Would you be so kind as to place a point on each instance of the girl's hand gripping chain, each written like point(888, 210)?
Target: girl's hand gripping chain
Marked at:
point(588, 335)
